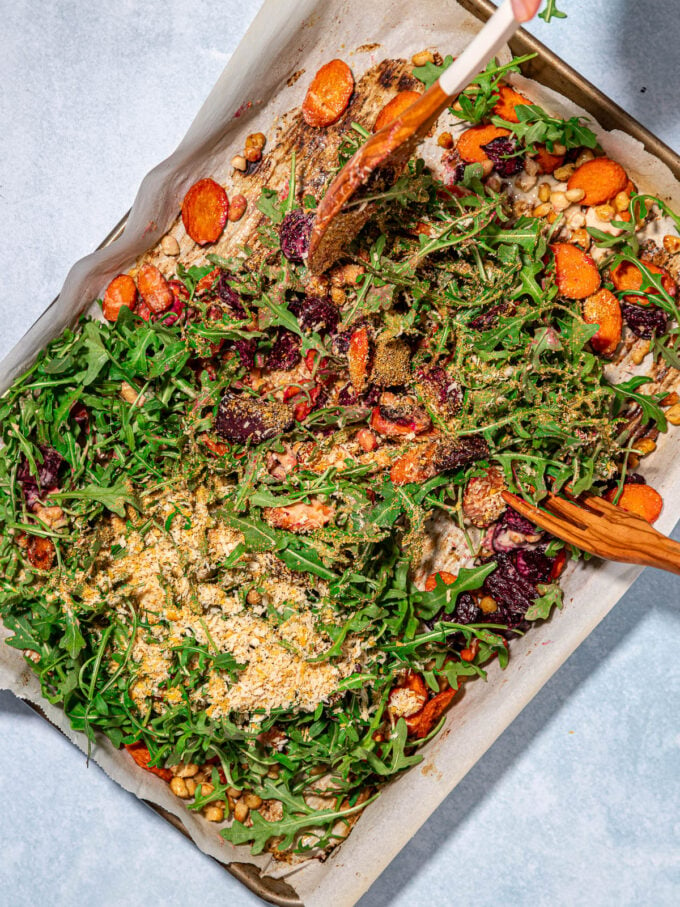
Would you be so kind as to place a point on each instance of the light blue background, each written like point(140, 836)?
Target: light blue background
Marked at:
point(578, 802)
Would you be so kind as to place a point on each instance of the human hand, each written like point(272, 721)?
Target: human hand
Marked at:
point(525, 9)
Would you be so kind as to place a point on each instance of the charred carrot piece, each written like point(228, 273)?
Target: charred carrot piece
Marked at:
point(142, 757)
point(444, 575)
point(600, 179)
point(547, 161)
point(204, 211)
point(358, 355)
point(154, 289)
point(394, 108)
point(471, 141)
point(328, 94)
point(120, 292)
point(576, 273)
point(508, 99)
point(421, 724)
point(627, 276)
point(642, 500)
point(40, 552)
point(603, 308)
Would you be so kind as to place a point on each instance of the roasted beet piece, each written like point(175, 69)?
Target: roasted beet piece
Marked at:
point(465, 612)
point(294, 233)
point(454, 168)
point(246, 350)
point(230, 298)
point(512, 592)
point(316, 314)
point(533, 565)
point(47, 479)
point(245, 418)
point(514, 532)
point(285, 352)
point(348, 397)
point(451, 455)
point(486, 320)
point(440, 389)
point(499, 151)
point(645, 321)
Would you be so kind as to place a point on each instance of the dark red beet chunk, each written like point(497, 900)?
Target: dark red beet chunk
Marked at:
point(316, 314)
point(488, 319)
point(285, 353)
point(645, 321)
point(514, 532)
point(498, 151)
point(452, 455)
point(294, 233)
point(443, 389)
point(533, 565)
point(47, 479)
point(230, 298)
point(348, 397)
point(245, 418)
point(512, 592)
point(454, 168)
point(246, 350)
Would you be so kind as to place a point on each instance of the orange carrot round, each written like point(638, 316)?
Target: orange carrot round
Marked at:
point(204, 211)
point(328, 95)
point(421, 724)
point(41, 552)
point(142, 757)
point(603, 308)
point(600, 179)
point(413, 466)
point(395, 108)
point(627, 276)
point(508, 99)
point(470, 142)
point(154, 289)
point(357, 356)
point(120, 292)
point(576, 273)
point(547, 161)
point(444, 575)
point(642, 500)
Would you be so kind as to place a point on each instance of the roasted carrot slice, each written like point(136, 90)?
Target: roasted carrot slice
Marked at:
point(40, 552)
point(417, 425)
point(444, 575)
point(358, 355)
point(204, 211)
point(627, 276)
point(154, 289)
point(120, 292)
point(394, 108)
point(328, 95)
point(470, 142)
point(642, 500)
point(413, 466)
point(142, 756)
point(547, 161)
point(603, 308)
point(600, 179)
point(508, 99)
point(421, 724)
point(576, 273)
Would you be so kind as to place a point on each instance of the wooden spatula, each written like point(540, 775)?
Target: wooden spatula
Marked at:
point(599, 527)
point(385, 154)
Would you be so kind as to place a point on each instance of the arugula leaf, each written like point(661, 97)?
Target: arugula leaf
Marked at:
point(536, 127)
point(550, 596)
point(113, 497)
point(551, 12)
point(444, 597)
point(649, 404)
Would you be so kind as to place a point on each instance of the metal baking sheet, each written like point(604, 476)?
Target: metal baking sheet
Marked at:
point(554, 73)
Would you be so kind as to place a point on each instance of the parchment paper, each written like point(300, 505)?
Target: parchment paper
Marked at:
point(287, 36)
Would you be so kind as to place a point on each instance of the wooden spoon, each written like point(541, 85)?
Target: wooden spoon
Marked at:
point(385, 154)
